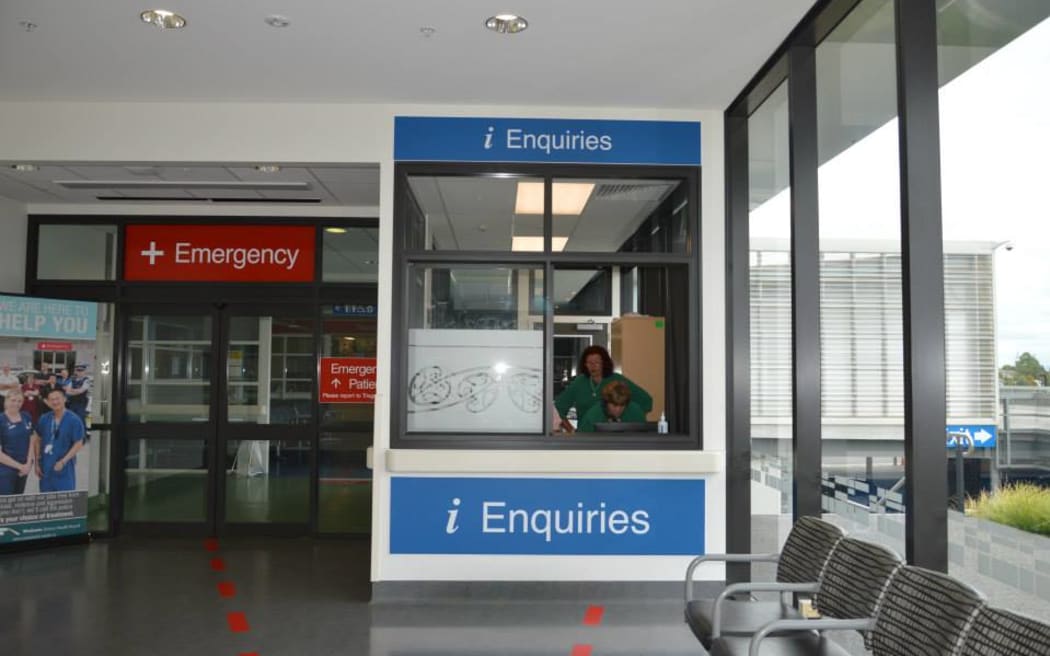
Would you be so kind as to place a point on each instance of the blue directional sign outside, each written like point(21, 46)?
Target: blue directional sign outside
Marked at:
point(982, 435)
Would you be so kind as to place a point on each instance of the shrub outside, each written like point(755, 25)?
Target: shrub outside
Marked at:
point(1021, 505)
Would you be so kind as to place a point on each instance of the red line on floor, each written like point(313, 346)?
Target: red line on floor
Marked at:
point(249, 653)
point(581, 650)
point(227, 589)
point(211, 544)
point(237, 621)
point(218, 564)
point(593, 616)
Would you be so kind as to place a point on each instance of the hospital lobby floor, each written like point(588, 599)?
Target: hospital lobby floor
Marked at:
point(272, 596)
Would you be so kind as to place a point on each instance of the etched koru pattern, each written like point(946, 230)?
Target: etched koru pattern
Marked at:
point(476, 389)
point(526, 391)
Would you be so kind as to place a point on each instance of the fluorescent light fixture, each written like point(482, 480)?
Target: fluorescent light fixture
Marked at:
point(162, 18)
point(335, 230)
point(569, 198)
point(267, 168)
point(25, 168)
point(536, 243)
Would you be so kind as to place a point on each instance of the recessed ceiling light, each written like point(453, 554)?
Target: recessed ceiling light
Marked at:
point(534, 244)
point(570, 198)
point(267, 168)
point(25, 168)
point(164, 19)
point(507, 23)
point(277, 21)
point(427, 31)
point(335, 230)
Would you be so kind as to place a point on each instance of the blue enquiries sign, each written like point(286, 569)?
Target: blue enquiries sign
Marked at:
point(540, 140)
point(546, 516)
point(47, 318)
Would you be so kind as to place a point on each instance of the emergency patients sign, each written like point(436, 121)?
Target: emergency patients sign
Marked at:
point(219, 253)
point(348, 380)
point(547, 516)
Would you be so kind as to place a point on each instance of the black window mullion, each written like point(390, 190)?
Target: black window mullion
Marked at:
point(922, 279)
point(805, 281)
point(548, 306)
point(738, 347)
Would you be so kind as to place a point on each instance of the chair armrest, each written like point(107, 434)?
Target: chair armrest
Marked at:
point(735, 588)
point(826, 624)
point(726, 558)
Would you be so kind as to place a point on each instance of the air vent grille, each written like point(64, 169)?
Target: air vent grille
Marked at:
point(631, 191)
point(183, 199)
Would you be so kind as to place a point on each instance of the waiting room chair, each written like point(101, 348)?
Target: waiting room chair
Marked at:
point(799, 565)
point(852, 583)
point(921, 613)
point(998, 632)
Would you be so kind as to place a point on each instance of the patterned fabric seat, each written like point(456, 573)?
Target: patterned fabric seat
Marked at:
point(851, 585)
point(998, 632)
point(923, 613)
point(800, 561)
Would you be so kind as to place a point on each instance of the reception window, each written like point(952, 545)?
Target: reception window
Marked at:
point(546, 307)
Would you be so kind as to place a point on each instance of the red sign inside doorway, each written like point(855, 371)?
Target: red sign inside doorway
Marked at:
point(348, 380)
point(54, 346)
point(219, 253)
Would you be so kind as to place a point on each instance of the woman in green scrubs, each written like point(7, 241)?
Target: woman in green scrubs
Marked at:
point(594, 372)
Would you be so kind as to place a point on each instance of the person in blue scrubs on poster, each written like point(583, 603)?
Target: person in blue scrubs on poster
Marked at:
point(17, 445)
point(61, 436)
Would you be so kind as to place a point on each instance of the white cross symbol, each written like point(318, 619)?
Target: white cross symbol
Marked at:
point(152, 253)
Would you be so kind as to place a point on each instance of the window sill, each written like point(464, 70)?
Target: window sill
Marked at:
point(484, 461)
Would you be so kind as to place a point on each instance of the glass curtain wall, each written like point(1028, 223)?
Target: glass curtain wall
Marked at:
point(769, 228)
point(994, 90)
point(862, 355)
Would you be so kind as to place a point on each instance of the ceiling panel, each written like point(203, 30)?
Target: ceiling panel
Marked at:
point(355, 185)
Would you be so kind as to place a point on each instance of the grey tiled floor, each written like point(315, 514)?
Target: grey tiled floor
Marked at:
point(159, 597)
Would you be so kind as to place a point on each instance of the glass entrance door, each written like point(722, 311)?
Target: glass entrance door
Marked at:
point(219, 418)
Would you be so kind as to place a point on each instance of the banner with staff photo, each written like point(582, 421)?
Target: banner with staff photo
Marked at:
point(47, 365)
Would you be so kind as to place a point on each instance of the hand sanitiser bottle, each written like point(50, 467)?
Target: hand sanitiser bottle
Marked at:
point(661, 426)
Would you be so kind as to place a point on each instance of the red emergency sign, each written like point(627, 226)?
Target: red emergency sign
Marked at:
point(54, 346)
point(219, 253)
point(348, 380)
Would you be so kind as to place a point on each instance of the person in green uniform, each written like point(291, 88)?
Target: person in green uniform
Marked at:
point(594, 372)
point(616, 405)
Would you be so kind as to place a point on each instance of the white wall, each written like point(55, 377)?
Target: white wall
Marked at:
point(13, 226)
point(200, 133)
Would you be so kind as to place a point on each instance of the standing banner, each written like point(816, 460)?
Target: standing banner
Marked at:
point(47, 365)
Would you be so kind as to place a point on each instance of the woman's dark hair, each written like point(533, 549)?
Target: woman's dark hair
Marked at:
point(607, 363)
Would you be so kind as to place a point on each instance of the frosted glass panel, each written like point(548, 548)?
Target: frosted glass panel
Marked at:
point(475, 381)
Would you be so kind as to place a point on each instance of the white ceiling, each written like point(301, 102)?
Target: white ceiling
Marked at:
point(668, 54)
point(661, 54)
point(468, 213)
